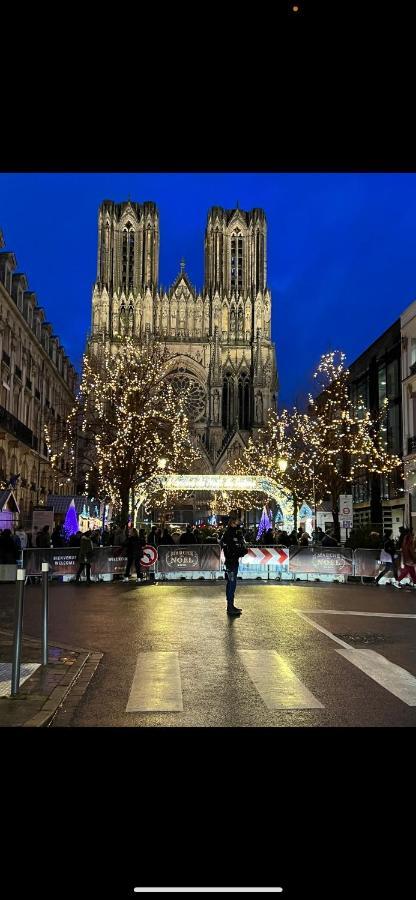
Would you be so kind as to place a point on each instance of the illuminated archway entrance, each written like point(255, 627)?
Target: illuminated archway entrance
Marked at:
point(216, 483)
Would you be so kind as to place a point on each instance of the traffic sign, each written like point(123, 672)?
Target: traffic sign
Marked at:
point(149, 555)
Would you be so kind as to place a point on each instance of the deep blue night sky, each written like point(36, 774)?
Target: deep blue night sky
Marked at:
point(341, 250)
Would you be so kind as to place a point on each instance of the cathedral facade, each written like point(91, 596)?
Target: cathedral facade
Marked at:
point(219, 338)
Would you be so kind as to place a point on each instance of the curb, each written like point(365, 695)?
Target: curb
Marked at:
point(75, 691)
point(85, 665)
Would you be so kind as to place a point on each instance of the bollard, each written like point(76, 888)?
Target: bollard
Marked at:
point(45, 612)
point(18, 628)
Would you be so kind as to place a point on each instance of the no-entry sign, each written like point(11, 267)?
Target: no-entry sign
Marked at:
point(149, 555)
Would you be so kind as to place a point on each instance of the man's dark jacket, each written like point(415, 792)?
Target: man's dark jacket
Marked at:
point(234, 545)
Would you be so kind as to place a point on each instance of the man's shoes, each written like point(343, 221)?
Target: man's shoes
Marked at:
point(233, 611)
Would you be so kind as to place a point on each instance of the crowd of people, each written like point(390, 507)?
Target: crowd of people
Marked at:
point(397, 557)
point(13, 542)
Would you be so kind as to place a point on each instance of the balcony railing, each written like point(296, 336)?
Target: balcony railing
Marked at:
point(411, 445)
point(13, 426)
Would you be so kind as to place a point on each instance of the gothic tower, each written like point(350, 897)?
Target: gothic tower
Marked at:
point(219, 338)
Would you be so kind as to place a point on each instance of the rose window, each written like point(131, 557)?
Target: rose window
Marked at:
point(193, 392)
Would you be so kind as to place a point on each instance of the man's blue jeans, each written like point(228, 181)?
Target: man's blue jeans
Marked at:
point(231, 584)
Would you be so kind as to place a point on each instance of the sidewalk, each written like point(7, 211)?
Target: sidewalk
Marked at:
point(66, 677)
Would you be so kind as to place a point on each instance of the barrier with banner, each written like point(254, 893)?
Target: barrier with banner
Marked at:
point(262, 562)
point(64, 561)
point(188, 558)
point(317, 560)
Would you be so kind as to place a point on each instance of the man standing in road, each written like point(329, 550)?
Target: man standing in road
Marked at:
point(234, 548)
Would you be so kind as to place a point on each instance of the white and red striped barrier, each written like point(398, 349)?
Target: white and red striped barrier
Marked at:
point(263, 556)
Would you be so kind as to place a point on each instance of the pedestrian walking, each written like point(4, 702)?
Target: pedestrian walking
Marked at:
point(75, 539)
point(56, 537)
point(43, 538)
point(8, 548)
point(86, 551)
point(134, 547)
point(22, 536)
point(187, 537)
point(388, 557)
point(234, 548)
point(166, 537)
point(408, 559)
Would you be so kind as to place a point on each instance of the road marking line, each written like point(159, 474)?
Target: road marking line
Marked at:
point(393, 678)
point(275, 681)
point(348, 612)
point(323, 630)
point(156, 685)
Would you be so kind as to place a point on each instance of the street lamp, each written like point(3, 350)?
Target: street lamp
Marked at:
point(314, 494)
point(282, 464)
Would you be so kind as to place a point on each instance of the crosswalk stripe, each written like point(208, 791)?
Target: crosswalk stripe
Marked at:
point(275, 681)
point(393, 678)
point(156, 684)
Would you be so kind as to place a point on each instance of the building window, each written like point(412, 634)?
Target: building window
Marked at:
point(236, 263)
point(128, 258)
point(394, 429)
point(382, 385)
point(228, 402)
point(360, 397)
point(360, 489)
point(244, 401)
point(393, 386)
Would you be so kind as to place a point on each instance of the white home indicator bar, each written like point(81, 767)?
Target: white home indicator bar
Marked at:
point(210, 890)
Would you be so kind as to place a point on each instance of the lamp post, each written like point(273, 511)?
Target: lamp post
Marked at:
point(314, 495)
point(282, 464)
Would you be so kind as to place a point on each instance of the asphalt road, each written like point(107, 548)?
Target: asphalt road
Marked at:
point(172, 645)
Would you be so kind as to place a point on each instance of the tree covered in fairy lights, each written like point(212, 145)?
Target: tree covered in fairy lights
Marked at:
point(346, 438)
point(285, 436)
point(326, 448)
point(126, 417)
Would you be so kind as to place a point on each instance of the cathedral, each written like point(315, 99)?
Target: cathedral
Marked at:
point(219, 338)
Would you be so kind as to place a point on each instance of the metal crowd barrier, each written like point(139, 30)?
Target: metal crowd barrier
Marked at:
point(197, 561)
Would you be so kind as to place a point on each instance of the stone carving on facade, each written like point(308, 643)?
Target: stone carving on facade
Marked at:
point(232, 320)
point(240, 322)
point(259, 407)
point(216, 406)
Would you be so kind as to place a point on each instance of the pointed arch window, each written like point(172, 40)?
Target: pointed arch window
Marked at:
point(244, 401)
point(228, 401)
point(236, 268)
point(128, 258)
